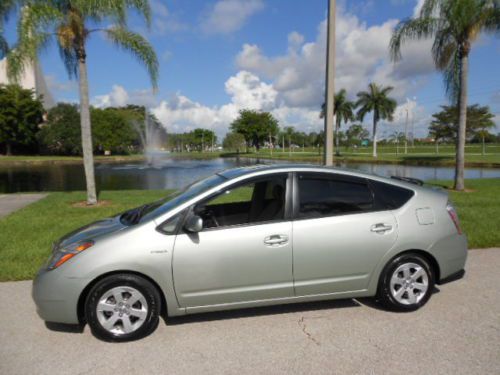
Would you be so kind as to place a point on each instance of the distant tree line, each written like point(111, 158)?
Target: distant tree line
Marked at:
point(260, 129)
point(25, 127)
point(196, 140)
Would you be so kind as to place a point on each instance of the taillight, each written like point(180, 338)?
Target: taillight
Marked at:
point(453, 216)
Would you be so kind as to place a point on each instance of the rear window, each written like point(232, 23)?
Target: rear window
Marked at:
point(389, 196)
point(327, 195)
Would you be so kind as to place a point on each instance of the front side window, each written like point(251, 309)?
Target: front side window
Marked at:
point(256, 201)
point(324, 195)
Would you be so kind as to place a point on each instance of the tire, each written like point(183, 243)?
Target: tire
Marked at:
point(122, 307)
point(406, 283)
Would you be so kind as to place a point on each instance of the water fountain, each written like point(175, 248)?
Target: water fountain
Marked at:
point(150, 137)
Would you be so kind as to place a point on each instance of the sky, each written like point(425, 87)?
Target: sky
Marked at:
point(220, 56)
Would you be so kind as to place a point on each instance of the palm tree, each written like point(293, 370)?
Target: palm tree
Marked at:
point(68, 21)
point(376, 100)
point(454, 25)
point(6, 7)
point(343, 110)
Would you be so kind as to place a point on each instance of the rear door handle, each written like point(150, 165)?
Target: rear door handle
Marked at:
point(276, 239)
point(380, 228)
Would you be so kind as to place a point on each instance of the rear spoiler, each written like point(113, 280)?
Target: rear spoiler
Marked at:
point(411, 180)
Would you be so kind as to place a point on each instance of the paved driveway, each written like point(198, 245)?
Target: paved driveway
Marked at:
point(458, 332)
point(13, 202)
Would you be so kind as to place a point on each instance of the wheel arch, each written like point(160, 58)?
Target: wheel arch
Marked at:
point(424, 254)
point(86, 290)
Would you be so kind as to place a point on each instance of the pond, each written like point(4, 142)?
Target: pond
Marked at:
point(168, 173)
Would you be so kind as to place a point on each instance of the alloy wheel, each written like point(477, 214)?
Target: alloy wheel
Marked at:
point(409, 283)
point(122, 310)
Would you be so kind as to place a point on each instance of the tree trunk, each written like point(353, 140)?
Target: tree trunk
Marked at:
point(462, 121)
point(88, 157)
point(8, 149)
point(337, 141)
point(484, 147)
point(374, 139)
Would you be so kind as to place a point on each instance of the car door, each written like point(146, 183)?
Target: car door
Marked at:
point(338, 235)
point(244, 251)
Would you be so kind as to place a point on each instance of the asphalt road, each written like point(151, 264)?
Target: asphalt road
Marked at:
point(457, 332)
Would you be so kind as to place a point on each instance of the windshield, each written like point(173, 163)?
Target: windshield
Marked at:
point(158, 208)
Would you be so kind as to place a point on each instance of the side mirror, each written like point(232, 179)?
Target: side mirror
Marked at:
point(194, 224)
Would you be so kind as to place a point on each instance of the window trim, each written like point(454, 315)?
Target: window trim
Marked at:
point(288, 201)
point(180, 224)
point(332, 176)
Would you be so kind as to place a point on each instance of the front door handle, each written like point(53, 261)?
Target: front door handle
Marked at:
point(276, 239)
point(380, 228)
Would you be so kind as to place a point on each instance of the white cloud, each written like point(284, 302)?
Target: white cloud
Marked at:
point(119, 97)
point(165, 22)
point(247, 91)
point(417, 121)
point(362, 57)
point(291, 85)
point(55, 85)
point(166, 56)
point(227, 16)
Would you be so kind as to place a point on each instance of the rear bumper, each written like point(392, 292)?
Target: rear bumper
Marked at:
point(451, 254)
point(56, 296)
point(453, 277)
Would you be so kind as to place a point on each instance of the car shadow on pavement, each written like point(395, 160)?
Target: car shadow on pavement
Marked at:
point(67, 328)
point(260, 311)
point(374, 304)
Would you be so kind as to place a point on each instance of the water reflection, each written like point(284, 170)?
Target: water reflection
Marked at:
point(171, 173)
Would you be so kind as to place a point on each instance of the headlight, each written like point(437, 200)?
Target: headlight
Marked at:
point(60, 256)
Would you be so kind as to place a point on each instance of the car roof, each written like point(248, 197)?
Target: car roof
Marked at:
point(258, 169)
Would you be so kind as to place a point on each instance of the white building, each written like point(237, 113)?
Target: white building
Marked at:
point(32, 79)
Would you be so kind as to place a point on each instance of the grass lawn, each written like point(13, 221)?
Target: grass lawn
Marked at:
point(364, 156)
point(33, 159)
point(26, 235)
point(478, 210)
point(418, 155)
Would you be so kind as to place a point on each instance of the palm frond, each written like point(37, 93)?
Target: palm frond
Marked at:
point(491, 19)
point(451, 77)
point(4, 46)
point(411, 29)
point(386, 90)
point(98, 10)
point(6, 7)
point(116, 10)
point(17, 61)
point(70, 60)
point(142, 6)
point(430, 8)
point(443, 48)
point(138, 46)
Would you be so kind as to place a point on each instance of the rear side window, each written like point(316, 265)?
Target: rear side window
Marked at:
point(390, 197)
point(326, 195)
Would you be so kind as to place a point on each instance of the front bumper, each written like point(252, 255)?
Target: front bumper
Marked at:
point(56, 296)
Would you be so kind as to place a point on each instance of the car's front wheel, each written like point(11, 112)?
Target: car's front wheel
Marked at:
point(406, 283)
point(122, 307)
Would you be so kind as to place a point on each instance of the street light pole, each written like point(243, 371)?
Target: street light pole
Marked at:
point(406, 132)
point(329, 85)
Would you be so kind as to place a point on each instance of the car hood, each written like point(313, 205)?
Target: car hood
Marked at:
point(91, 231)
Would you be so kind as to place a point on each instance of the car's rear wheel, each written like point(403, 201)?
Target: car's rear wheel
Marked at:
point(122, 307)
point(406, 283)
